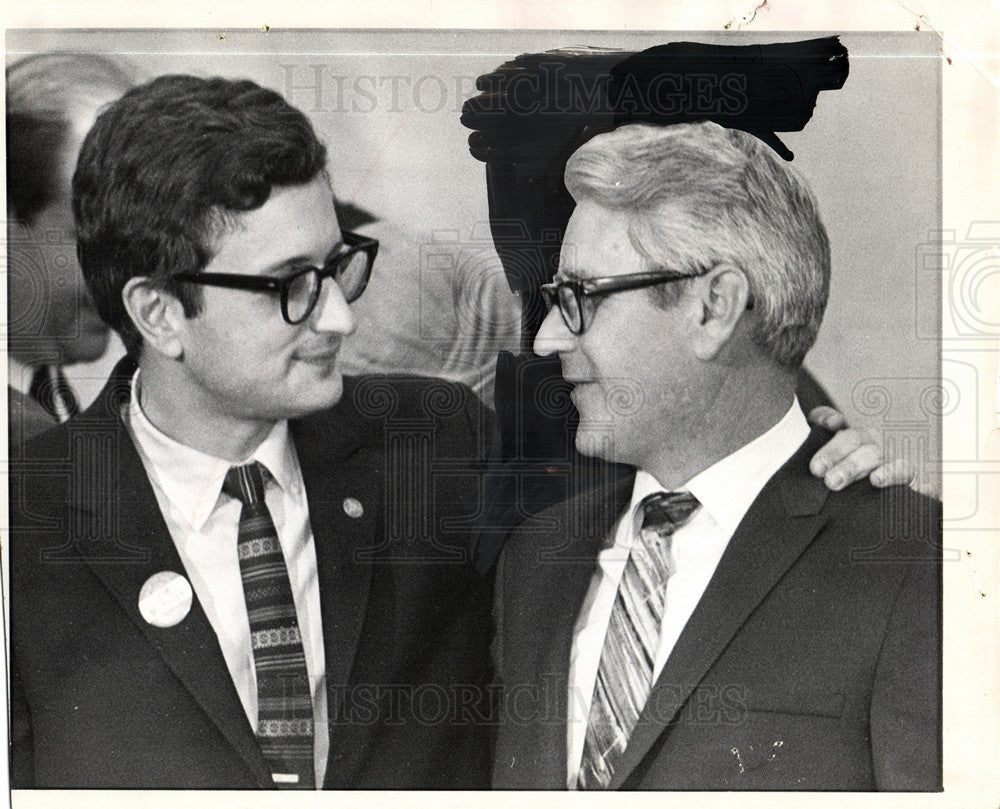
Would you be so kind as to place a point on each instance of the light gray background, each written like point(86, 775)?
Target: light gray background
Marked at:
point(871, 151)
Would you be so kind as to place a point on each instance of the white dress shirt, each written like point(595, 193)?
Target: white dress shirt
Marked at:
point(204, 525)
point(726, 490)
point(19, 375)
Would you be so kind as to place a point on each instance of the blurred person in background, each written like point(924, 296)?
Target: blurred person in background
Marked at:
point(439, 307)
point(52, 100)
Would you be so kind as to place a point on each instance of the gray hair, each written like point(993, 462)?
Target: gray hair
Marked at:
point(697, 195)
point(57, 84)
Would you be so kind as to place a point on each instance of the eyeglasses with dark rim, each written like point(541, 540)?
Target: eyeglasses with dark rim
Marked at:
point(299, 291)
point(570, 294)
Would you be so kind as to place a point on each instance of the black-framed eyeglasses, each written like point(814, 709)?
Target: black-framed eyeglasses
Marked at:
point(570, 294)
point(350, 269)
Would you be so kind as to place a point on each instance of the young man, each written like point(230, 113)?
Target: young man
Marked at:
point(719, 619)
point(237, 570)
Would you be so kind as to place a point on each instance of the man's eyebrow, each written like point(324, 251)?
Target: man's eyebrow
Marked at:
point(286, 266)
point(566, 271)
point(296, 262)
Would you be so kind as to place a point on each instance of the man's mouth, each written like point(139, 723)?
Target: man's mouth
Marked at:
point(325, 356)
point(579, 390)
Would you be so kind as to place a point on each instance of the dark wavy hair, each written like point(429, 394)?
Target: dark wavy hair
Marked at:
point(164, 169)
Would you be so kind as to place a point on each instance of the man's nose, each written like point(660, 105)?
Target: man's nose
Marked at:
point(553, 335)
point(333, 312)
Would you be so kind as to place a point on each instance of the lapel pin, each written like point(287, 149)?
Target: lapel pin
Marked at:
point(353, 508)
point(165, 599)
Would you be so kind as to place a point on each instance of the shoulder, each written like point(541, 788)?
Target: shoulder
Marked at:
point(405, 396)
point(893, 514)
point(94, 432)
point(875, 544)
point(373, 404)
point(862, 495)
point(40, 472)
point(25, 418)
point(857, 516)
point(574, 524)
point(68, 464)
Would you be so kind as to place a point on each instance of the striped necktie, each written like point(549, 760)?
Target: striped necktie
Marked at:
point(625, 674)
point(284, 698)
point(51, 390)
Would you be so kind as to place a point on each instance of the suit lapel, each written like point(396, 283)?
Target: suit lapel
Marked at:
point(779, 526)
point(550, 591)
point(141, 547)
point(568, 571)
point(344, 478)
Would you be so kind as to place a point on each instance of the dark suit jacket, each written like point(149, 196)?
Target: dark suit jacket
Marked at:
point(812, 661)
point(25, 419)
point(101, 698)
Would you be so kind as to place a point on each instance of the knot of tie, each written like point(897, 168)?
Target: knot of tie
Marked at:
point(246, 483)
point(665, 512)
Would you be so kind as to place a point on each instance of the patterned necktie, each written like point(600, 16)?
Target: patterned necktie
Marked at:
point(625, 674)
point(51, 390)
point(284, 698)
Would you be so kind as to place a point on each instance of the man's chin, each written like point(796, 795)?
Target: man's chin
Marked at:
point(595, 441)
point(325, 392)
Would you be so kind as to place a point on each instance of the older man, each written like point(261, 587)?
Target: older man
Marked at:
point(719, 619)
point(213, 584)
point(52, 100)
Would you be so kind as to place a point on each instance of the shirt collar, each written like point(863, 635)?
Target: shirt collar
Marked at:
point(19, 375)
point(192, 480)
point(727, 488)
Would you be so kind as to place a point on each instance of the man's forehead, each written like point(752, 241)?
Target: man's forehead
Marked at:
point(597, 241)
point(297, 224)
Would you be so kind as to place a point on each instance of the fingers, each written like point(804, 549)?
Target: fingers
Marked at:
point(850, 455)
point(827, 418)
point(893, 473)
point(855, 466)
point(855, 453)
point(834, 450)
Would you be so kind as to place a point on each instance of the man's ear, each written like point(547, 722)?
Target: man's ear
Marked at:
point(723, 296)
point(158, 315)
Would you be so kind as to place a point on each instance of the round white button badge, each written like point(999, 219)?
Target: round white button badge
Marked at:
point(353, 508)
point(165, 599)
